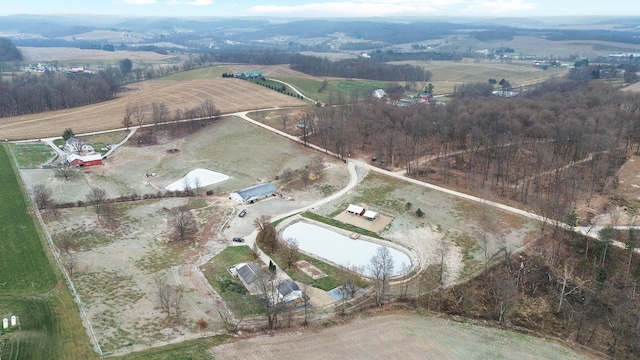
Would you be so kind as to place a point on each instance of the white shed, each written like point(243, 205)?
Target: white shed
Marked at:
point(355, 209)
point(370, 215)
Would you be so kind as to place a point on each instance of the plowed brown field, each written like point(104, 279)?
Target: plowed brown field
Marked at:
point(229, 95)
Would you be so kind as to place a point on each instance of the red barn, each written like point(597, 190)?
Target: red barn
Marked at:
point(82, 161)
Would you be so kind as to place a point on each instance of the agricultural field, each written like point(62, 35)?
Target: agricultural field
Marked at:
point(81, 57)
point(448, 74)
point(229, 95)
point(33, 155)
point(398, 336)
point(49, 325)
point(117, 261)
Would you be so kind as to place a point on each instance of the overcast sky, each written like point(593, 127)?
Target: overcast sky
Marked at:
point(324, 8)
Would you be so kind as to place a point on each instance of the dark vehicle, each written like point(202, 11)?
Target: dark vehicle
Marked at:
point(242, 213)
point(237, 239)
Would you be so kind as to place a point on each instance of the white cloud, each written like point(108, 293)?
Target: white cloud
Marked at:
point(191, 2)
point(492, 7)
point(353, 8)
point(139, 2)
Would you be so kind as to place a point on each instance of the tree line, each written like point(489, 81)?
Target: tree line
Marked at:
point(358, 68)
point(31, 93)
point(8, 51)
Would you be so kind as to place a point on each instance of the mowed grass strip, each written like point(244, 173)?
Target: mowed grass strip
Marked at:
point(25, 267)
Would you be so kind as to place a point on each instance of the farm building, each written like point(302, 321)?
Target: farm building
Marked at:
point(355, 209)
point(87, 160)
point(426, 96)
point(289, 291)
point(378, 94)
point(370, 215)
point(253, 194)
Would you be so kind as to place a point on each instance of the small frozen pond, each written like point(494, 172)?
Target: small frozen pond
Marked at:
point(197, 178)
point(340, 249)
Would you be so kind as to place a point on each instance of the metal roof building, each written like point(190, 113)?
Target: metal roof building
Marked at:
point(253, 193)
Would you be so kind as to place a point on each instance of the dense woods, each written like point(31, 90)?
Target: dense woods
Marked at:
point(358, 68)
point(33, 93)
point(8, 51)
point(526, 149)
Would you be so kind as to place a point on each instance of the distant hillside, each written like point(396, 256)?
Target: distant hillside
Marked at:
point(8, 51)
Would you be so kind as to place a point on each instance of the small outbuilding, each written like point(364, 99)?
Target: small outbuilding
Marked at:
point(355, 209)
point(253, 193)
point(251, 275)
point(370, 215)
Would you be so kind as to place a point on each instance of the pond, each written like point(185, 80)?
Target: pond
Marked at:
point(340, 249)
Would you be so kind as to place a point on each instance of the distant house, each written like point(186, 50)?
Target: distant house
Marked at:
point(249, 75)
point(504, 93)
point(355, 210)
point(378, 94)
point(84, 161)
point(426, 96)
point(253, 193)
point(75, 145)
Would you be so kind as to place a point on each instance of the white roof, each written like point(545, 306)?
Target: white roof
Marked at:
point(355, 209)
point(370, 214)
point(92, 157)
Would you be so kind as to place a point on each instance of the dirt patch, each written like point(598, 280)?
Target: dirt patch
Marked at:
point(309, 269)
point(396, 337)
point(376, 225)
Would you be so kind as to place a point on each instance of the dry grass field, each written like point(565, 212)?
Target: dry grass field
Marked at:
point(51, 54)
point(229, 95)
point(397, 337)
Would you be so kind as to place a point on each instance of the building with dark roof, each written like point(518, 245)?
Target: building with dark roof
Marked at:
point(253, 193)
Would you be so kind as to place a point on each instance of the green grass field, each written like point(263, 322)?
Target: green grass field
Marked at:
point(334, 88)
point(187, 350)
point(216, 273)
point(49, 323)
point(31, 156)
point(25, 267)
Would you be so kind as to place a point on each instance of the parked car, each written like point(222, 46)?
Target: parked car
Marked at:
point(242, 213)
point(237, 239)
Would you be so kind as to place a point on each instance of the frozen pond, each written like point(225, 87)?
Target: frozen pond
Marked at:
point(340, 249)
point(197, 178)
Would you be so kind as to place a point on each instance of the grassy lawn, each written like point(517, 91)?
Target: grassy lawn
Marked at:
point(31, 156)
point(187, 350)
point(217, 274)
point(210, 72)
point(50, 326)
point(25, 267)
point(340, 224)
point(334, 88)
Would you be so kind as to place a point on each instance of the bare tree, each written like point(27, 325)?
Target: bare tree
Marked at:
point(42, 195)
point(269, 238)
point(128, 113)
point(351, 279)
point(139, 112)
point(381, 268)
point(290, 251)
point(66, 245)
point(442, 252)
point(262, 221)
point(97, 198)
point(255, 251)
point(209, 110)
point(65, 170)
point(197, 184)
point(159, 113)
point(182, 224)
point(169, 296)
point(271, 300)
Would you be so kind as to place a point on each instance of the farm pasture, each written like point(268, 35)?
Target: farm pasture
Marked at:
point(228, 94)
